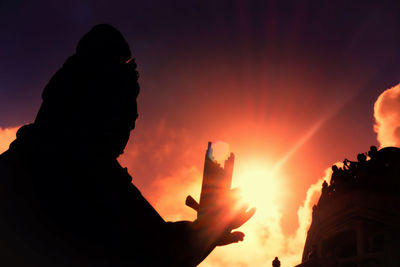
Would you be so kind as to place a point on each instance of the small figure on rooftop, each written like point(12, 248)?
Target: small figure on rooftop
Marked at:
point(324, 187)
point(372, 152)
point(276, 262)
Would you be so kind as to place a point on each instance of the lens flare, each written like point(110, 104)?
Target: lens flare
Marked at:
point(259, 185)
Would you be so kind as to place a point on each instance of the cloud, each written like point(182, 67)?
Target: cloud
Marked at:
point(266, 239)
point(170, 193)
point(304, 215)
point(158, 153)
point(387, 117)
point(166, 157)
point(7, 135)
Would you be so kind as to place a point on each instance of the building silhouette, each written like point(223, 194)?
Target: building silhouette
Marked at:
point(356, 221)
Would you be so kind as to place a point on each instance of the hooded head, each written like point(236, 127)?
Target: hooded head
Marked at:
point(91, 100)
point(104, 43)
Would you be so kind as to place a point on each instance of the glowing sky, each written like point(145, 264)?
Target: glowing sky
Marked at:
point(290, 85)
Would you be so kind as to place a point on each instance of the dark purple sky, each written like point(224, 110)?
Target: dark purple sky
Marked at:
point(328, 38)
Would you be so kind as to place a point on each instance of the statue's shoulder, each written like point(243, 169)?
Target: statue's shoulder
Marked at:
point(4, 157)
point(7, 161)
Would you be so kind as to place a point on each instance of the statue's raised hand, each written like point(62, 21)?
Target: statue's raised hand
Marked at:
point(216, 223)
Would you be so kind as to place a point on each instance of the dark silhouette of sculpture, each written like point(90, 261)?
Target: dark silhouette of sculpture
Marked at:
point(372, 152)
point(362, 173)
point(324, 187)
point(276, 262)
point(66, 201)
point(361, 158)
point(335, 174)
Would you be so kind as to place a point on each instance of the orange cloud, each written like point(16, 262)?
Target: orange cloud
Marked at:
point(387, 117)
point(167, 156)
point(265, 238)
point(7, 135)
point(170, 193)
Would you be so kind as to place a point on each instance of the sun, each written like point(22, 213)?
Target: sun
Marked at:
point(259, 184)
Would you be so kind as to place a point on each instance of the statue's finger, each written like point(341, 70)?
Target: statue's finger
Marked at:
point(230, 238)
point(242, 217)
point(192, 203)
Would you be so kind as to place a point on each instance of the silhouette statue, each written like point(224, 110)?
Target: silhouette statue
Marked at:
point(276, 262)
point(372, 152)
point(64, 198)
